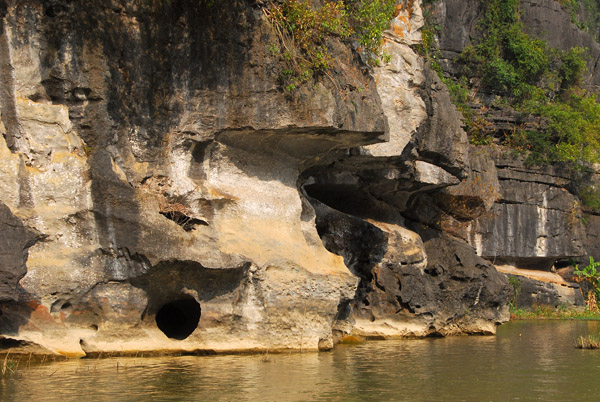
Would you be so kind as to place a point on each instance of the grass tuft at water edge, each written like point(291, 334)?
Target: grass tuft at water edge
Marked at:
point(588, 342)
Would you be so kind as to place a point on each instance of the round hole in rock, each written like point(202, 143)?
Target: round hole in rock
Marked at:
point(179, 318)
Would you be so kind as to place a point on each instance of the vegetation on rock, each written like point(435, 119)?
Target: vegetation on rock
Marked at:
point(515, 283)
point(8, 366)
point(304, 27)
point(588, 277)
point(585, 14)
point(552, 313)
point(523, 73)
point(590, 197)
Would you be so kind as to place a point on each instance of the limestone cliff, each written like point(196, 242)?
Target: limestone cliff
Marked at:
point(537, 225)
point(160, 191)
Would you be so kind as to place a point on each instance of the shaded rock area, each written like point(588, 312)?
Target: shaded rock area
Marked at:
point(15, 240)
point(386, 213)
point(411, 288)
point(160, 191)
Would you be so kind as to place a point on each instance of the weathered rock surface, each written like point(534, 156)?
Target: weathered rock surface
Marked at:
point(411, 288)
point(592, 226)
point(524, 218)
point(161, 192)
point(535, 220)
point(159, 160)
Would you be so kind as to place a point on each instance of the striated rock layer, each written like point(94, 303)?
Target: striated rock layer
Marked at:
point(159, 191)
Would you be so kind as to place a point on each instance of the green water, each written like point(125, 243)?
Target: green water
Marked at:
point(526, 361)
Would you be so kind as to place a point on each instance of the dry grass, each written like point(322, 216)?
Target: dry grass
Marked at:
point(9, 366)
point(588, 342)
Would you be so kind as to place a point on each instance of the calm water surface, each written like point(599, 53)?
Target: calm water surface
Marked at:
point(527, 360)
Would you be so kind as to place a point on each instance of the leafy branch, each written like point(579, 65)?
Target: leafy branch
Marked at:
point(590, 275)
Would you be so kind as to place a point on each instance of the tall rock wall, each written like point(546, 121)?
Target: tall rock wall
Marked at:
point(535, 221)
point(160, 191)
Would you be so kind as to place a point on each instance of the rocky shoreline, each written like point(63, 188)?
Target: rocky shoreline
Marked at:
point(161, 193)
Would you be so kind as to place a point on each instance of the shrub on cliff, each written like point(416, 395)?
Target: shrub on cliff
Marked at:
point(527, 75)
point(570, 132)
point(508, 58)
point(304, 27)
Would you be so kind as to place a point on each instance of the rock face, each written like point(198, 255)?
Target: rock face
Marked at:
point(381, 208)
point(519, 217)
point(537, 292)
point(161, 192)
point(411, 288)
point(535, 220)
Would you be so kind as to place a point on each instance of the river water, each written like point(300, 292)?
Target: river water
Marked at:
point(526, 361)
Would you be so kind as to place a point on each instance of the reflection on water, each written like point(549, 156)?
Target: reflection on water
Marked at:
point(527, 360)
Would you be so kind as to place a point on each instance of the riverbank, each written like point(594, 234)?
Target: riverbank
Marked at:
point(550, 313)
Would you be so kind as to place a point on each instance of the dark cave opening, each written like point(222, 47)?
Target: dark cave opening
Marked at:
point(179, 318)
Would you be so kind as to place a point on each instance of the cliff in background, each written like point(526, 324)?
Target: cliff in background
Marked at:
point(161, 192)
point(537, 226)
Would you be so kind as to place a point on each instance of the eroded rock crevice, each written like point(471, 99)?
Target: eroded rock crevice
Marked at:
point(179, 318)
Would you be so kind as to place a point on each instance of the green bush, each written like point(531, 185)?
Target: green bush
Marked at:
point(528, 56)
point(572, 67)
point(515, 283)
point(572, 134)
point(528, 75)
point(507, 57)
point(590, 197)
point(591, 275)
point(499, 75)
point(370, 18)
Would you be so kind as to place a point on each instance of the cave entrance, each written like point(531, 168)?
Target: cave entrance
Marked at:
point(179, 318)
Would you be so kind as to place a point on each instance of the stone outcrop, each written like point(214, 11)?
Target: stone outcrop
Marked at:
point(160, 191)
point(411, 288)
point(543, 288)
point(382, 208)
point(158, 159)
